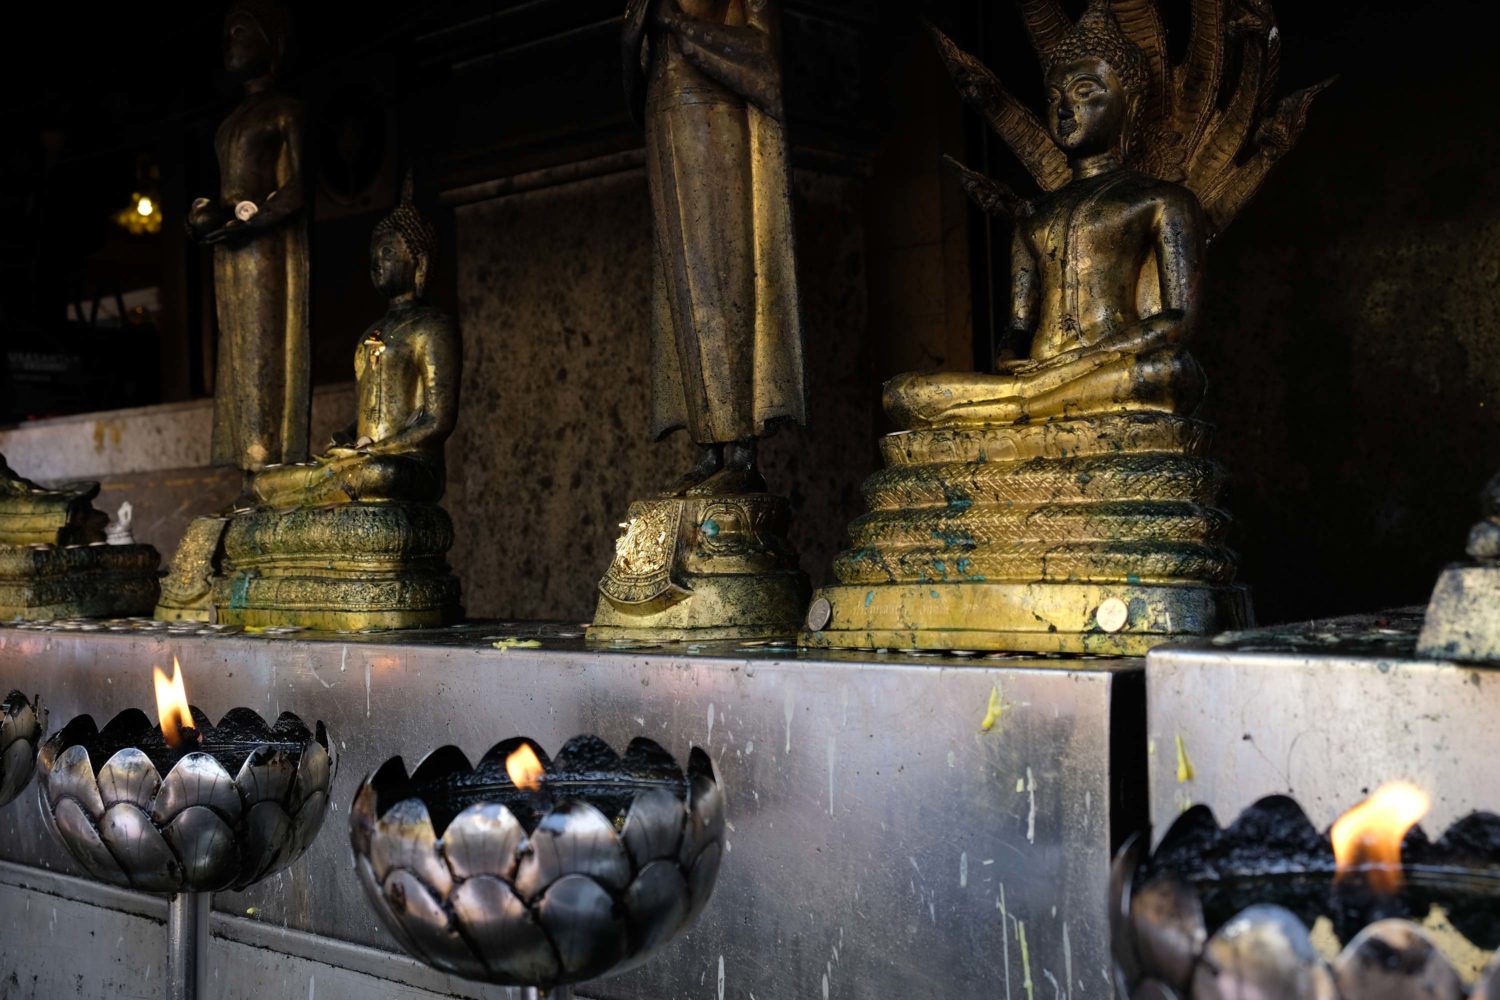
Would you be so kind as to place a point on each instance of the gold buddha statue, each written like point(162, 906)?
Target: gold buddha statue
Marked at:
point(1063, 503)
point(257, 227)
point(708, 558)
point(406, 371)
point(355, 539)
point(55, 560)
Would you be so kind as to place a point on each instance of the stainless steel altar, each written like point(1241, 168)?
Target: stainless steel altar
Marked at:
point(894, 822)
point(1324, 712)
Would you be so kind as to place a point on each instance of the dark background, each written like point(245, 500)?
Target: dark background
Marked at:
point(1353, 312)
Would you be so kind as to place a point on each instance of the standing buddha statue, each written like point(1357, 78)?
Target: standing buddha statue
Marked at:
point(257, 227)
point(356, 539)
point(1063, 503)
point(708, 558)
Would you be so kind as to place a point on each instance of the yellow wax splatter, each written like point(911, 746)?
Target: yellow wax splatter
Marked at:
point(1025, 960)
point(1184, 766)
point(514, 643)
point(994, 711)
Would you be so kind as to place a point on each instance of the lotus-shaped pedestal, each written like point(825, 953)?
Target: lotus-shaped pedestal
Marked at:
point(21, 727)
point(611, 858)
point(1216, 914)
point(136, 813)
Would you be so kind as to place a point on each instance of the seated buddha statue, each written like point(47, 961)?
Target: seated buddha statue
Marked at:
point(1065, 502)
point(355, 539)
point(1105, 271)
point(406, 391)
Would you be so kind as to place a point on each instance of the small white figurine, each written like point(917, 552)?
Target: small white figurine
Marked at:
point(118, 531)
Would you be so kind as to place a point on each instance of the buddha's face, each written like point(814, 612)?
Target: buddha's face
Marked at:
point(247, 51)
point(393, 267)
point(1087, 106)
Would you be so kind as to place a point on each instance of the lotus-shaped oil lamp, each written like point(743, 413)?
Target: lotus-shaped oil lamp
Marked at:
point(1226, 913)
point(22, 723)
point(187, 808)
point(539, 873)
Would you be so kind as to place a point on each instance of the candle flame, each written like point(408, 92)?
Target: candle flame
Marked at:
point(524, 768)
point(1368, 837)
point(172, 704)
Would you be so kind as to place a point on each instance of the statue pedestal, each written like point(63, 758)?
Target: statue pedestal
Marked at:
point(348, 567)
point(187, 592)
point(1461, 621)
point(77, 581)
point(712, 567)
point(1093, 535)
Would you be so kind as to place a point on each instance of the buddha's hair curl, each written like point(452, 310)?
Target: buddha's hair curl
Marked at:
point(1098, 35)
point(408, 223)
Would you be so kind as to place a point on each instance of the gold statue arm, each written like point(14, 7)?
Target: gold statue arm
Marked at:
point(439, 366)
point(1179, 248)
point(1025, 290)
point(288, 198)
point(741, 58)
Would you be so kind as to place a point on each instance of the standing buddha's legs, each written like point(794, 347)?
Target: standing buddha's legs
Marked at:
point(704, 225)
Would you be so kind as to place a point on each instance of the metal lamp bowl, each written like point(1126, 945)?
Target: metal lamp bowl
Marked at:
point(1216, 913)
point(193, 828)
point(477, 877)
point(21, 726)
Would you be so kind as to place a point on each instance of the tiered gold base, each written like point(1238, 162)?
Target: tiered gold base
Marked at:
point(1092, 535)
point(702, 568)
point(349, 567)
point(39, 582)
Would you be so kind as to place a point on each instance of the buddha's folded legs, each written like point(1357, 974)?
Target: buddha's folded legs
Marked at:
point(1165, 379)
point(355, 479)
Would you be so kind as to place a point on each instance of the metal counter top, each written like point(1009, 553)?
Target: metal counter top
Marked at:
point(883, 841)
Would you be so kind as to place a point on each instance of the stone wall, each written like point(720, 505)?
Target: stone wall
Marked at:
point(553, 445)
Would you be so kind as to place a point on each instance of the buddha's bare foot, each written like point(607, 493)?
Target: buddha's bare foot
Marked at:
point(710, 461)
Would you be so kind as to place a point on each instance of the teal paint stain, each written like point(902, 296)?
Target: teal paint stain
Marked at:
point(1131, 578)
point(711, 528)
point(239, 592)
point(869, 598)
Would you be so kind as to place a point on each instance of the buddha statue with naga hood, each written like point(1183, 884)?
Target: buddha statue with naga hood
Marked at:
point(1063, 502)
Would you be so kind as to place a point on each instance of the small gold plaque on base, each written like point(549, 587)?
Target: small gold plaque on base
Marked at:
point(702, 568)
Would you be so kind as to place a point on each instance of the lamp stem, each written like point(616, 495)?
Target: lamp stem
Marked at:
point(187, 946)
